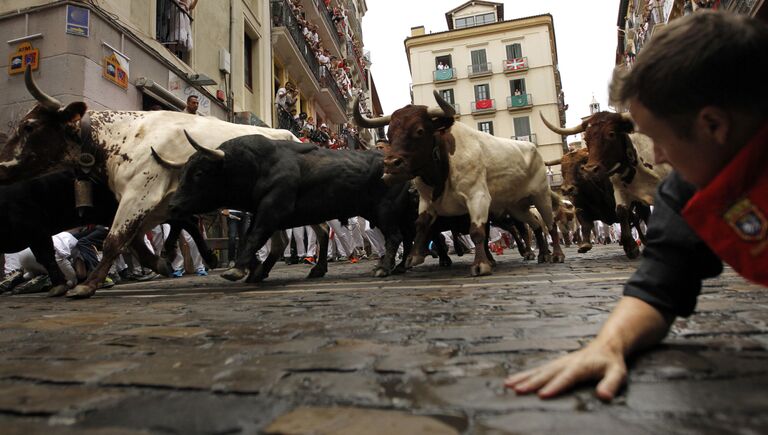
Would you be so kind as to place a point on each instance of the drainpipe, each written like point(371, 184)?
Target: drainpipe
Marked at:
point(231, 91)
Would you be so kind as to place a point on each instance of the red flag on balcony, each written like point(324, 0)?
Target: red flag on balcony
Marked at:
point(484, 104)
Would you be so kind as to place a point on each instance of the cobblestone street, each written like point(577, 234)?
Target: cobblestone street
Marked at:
point(423, 353)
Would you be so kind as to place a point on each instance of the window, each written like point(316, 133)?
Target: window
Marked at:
point(514, 51)
point(475, 20)
point(485, 127)
point(479, 61)
point(517, 85)
point(248, 61)
point(522, 126)
point(447, 95)
point(445, 60)
point(482, 92)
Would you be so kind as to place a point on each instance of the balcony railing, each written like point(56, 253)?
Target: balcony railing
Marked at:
point(527, 137)
point(282, 16)
point(515, 65)
point(328, 16)
point(327, 81)
point(444, 75)
point(479, 69)
point(169, 20)
point(480, 106)
point(519, 101)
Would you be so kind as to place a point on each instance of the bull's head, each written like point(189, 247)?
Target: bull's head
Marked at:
point(572, 168)
point(417, 136)
point(44, 139)
point(202, 180)
point(607, 137)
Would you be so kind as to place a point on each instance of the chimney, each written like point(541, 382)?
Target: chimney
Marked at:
point(417, 31)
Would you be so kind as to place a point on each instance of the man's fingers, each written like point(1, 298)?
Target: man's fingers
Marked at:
point(563, 381)
point(541, 377)
point(515, 379)
point(614, 377)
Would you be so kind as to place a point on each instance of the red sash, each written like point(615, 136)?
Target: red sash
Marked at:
point(731, 213)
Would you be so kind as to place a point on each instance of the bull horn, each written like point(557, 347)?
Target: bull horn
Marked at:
point(563, 131)
point(445, 110)
point(45, 100)
point(364, 122)
point(211, 154)
point(165, 163)
point(553, 162)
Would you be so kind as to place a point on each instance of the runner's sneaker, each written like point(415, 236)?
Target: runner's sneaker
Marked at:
point(12, 280)
point(108, 283)
point(309, 260)
point(177, 273)
point(201, 272)
point(34, 285)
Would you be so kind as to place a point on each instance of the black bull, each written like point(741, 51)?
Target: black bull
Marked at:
point(289, 184)
point(32, 211)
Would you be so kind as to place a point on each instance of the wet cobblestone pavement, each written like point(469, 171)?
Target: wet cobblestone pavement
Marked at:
point(424, 353)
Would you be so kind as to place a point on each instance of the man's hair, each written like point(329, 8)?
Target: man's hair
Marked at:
point(707, 58)
point(191, 97)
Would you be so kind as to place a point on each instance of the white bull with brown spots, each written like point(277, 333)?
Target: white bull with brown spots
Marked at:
point(51, 136)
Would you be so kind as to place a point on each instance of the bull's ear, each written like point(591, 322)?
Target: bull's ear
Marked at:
point(73, 111)
point(442, 123)
point(627, 126)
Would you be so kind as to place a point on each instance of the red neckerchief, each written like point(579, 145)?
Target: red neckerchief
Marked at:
point(730, 213)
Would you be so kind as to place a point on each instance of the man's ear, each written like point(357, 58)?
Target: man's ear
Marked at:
point(714, 122)
point(73, 112)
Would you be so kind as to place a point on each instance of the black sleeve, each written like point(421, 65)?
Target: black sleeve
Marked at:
point(675, 260)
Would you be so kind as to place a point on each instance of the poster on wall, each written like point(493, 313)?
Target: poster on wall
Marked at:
point(114, 72)
point(182, 89)
point(78, 20)
point(25, 55)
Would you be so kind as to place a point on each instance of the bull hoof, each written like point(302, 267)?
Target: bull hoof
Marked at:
point(481, 269)
point(211, 259)
point(545, 258)
point(233, 274)
point(164, 267)
point(529, 256)
point(414, 260)
point(558, 258)
point(584, 248)
point(317, 272)
point(380, 272)
point(59, 290)
point(81, 292)
point(399, 269)
point(632, 251)
point(446, 262)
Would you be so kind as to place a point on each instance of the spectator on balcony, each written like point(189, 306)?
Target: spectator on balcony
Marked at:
point(286, 97)
point(323, 56)
point(440, 65)
point(181, 25)
point(517, 92)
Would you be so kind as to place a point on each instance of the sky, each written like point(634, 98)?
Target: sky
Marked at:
point(585, 33)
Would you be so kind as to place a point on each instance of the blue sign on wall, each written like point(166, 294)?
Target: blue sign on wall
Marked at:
point(78, 20)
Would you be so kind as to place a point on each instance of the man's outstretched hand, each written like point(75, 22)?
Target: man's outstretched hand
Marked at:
point(633, 325)
point(594, 362)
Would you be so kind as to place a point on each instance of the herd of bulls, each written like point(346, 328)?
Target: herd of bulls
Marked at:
point(153, 167)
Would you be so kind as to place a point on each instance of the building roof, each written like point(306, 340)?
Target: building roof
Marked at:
point(499, 10)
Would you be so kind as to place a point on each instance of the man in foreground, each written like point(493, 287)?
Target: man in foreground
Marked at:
point(713, 208)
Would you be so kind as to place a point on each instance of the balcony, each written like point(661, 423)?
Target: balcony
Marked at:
point(299, 58)
point(444, 75)
point(527, 138)
point(169, 22)
point(480, 107)
point(519, 102)
point(515, 65)
point(314, 9)
point(479, 70)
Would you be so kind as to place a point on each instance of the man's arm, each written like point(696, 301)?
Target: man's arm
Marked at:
point(632, 326)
